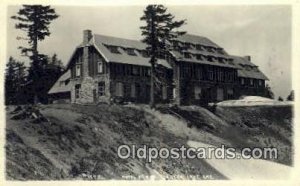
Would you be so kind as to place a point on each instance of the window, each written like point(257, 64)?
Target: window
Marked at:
point(144, 53)
point(135, 70)
point(113, 49)
point(164, 92)
point(260, 82)
point(119, 89)
point(197, 92)
point(209, 58)
point(230, 93)
point(78, 70)
point(148, 72)
point(198, 72)
point(187, 55)
point(220, 51)
point(101, 88)
point(199, 47)
point(133, 90)
point(199, 57)
point(220, 94)
point(130, 51)
point(221, 76)
point(77, 91)
point(229, 77)
point(209, 49)
point(210, 75)
point(100, 67)
point(174, 93)
point(242, 81)
point(251, 82)
point(187, 45)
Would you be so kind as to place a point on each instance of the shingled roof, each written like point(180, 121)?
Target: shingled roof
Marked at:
point(247, 69)
point(123, 57)
point(62, 84)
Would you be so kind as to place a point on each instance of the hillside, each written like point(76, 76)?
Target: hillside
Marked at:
point(80, 142)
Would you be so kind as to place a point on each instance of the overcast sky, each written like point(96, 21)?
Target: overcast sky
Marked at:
point(263, 32)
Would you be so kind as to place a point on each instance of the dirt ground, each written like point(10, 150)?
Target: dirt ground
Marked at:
point(80, 142)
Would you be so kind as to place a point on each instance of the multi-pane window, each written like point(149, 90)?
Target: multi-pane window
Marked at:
point(78, 70)
point(100, 67)
point(101, 88)
point(77, 91)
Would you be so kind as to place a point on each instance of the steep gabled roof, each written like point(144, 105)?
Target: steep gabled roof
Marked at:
point(123, 57)
point(194, 39)
point(62, 84)
point(247, 69)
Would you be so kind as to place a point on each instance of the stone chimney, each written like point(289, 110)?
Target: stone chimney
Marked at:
point(247, 58)
point(87, 35)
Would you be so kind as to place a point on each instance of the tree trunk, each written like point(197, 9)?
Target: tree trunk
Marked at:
point(152, 84)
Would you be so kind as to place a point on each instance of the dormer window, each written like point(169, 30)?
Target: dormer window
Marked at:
point(144, 53)
point(199, 47)
point(199, 57)
point(209, 49)
point(187, 55)
point(209, 58)
point(220, 51)
point(113, 49)
point(187, 45)
point(130, 51)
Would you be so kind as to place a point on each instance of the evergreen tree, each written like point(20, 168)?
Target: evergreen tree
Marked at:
point(159, 32)
point(269, 93)
point(291, 96)
point(35, 21)
point(15, 78)
point(280, 98)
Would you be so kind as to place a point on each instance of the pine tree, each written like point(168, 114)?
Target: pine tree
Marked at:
point(35, 21)
point(15, 78)
point(280, 98)
point(158, 35)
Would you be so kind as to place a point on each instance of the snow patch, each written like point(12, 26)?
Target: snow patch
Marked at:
point(254, 101)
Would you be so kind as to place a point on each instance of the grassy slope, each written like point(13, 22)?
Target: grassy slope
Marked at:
point(83, 140)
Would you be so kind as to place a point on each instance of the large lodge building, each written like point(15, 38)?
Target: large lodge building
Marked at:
point(104, 68)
